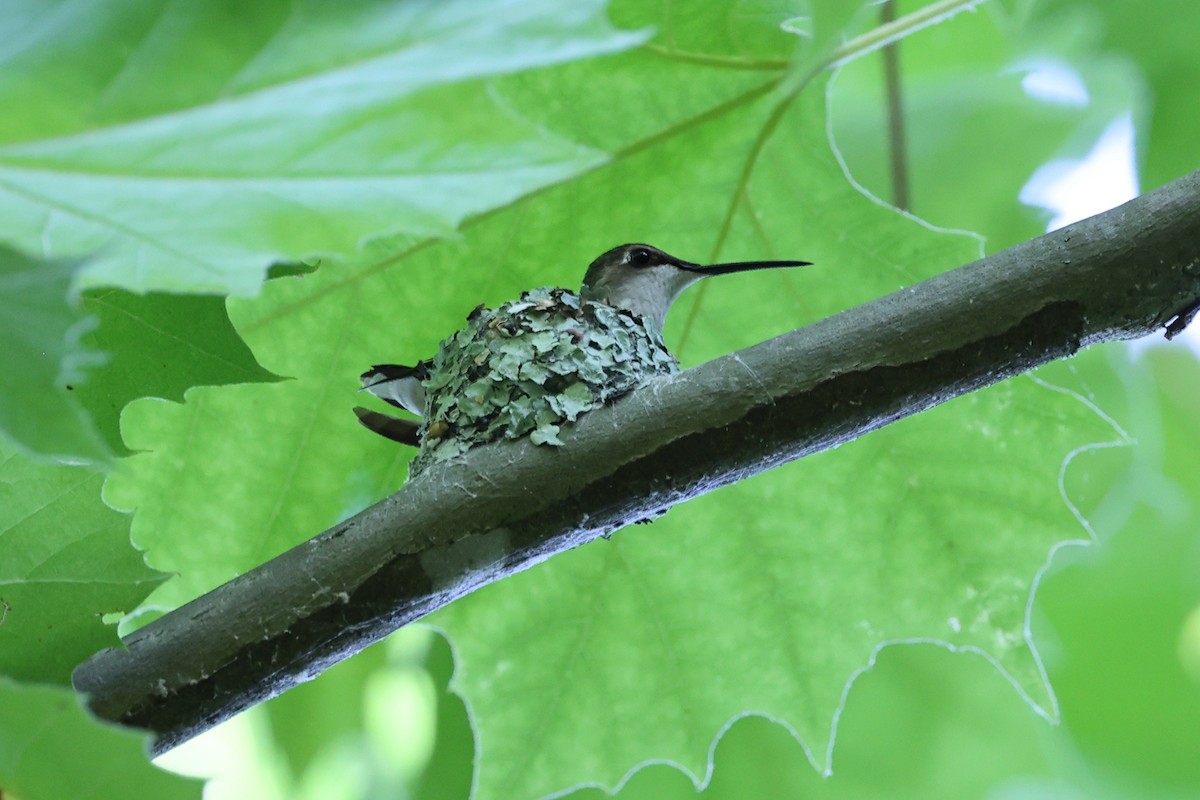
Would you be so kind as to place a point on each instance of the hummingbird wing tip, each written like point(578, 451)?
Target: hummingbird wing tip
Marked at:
point(397, 385)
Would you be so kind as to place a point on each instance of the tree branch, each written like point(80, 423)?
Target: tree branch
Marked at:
point(507, 506)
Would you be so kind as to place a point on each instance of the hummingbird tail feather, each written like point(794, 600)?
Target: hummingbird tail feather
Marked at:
point(404, 431)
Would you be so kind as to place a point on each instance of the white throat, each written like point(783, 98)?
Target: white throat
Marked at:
point(647, 292)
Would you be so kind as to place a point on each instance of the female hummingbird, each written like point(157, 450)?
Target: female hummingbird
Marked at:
point(532, 363)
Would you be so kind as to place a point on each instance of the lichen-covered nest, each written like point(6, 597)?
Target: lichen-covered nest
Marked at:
point(530, 365)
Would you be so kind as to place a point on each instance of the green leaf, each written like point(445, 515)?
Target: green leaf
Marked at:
point(767, 597)
point(65, 562)
point(922, 722)
point(42, 358)
point(159, 345)
point(188, 159)
point(50, 748)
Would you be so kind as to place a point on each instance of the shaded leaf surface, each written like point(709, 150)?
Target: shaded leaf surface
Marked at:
point(65, 562)
point(50, 748)
point(922, 723)
point(159, 345)
point(42, 358)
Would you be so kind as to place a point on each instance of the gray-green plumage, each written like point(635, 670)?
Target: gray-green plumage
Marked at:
point(532, 364)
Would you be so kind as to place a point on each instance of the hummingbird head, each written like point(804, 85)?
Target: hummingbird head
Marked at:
point(646, 280)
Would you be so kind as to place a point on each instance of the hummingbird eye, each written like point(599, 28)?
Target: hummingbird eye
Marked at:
point(638, 257)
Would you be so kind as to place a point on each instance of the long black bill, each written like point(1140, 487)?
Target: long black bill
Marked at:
point(740, 266)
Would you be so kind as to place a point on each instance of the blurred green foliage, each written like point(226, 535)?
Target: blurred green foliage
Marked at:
point(883, 612)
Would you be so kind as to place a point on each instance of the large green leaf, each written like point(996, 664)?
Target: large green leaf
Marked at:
point(922, 723)
point(65, 562)
point(42, 359)
point(51, 749)
point(190, 146)
point(449, 772)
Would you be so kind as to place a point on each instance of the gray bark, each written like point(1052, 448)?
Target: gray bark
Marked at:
point(507, 506)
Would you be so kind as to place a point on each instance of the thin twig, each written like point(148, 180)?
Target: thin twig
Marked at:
point(897, 149)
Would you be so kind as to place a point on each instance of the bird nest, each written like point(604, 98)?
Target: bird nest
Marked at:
point(531, 365)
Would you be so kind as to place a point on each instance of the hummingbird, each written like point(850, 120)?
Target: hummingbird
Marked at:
point(535, 362)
